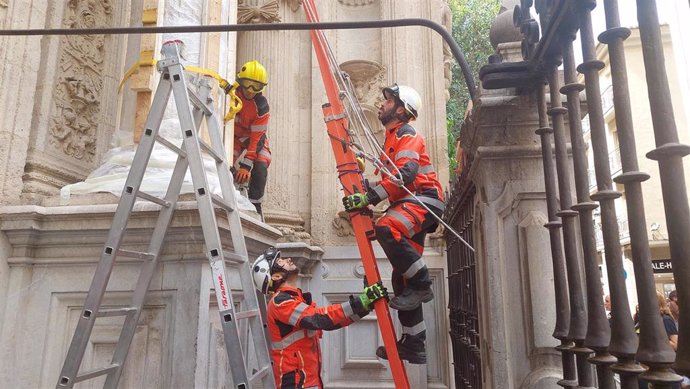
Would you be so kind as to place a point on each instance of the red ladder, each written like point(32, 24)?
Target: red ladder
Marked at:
point(352, 182)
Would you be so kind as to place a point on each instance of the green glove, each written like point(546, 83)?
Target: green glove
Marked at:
point(372, 293)
point(355, 201)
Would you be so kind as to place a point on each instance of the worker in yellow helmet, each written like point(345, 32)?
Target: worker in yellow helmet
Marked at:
point(251, 124)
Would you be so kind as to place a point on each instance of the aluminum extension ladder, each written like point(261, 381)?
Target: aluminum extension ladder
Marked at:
point(189, 154)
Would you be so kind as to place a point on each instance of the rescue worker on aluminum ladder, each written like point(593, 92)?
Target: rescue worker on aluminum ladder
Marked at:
point(251, 124)
point(295, 323)
point(403, 227)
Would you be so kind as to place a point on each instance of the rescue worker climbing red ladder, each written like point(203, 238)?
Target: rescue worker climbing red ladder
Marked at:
point(402, 229)
point(352, 181)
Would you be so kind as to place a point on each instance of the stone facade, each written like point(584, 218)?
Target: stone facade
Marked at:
point(61, 111)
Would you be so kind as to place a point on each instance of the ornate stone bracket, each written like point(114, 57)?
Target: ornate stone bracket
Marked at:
point(343, 226)
point(367, 78)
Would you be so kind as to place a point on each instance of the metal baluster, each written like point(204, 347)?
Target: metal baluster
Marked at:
point(578, 313)
point(669, 153)
point(561, 330)
point(654, 350)
point(623, 338)
point(598, 329)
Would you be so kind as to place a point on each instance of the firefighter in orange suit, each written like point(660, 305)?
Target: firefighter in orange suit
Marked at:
point(251, 124)
point(295, 322)
point(403, 227)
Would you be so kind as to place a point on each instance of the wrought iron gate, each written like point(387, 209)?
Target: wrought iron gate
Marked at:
point(462, 287)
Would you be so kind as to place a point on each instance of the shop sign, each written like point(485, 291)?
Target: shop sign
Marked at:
point(662, 266)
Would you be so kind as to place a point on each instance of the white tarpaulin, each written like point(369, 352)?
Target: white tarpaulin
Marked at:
point(112, 174)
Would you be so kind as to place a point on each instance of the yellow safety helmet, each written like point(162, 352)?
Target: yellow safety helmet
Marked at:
point(253, 76)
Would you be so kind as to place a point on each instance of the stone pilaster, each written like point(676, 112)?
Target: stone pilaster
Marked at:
point(76, 98)
point(20, 58)
point(414, 56)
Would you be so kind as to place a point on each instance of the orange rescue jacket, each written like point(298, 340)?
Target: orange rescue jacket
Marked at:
point(295, 324)
point(405, 152)
point(251, 124)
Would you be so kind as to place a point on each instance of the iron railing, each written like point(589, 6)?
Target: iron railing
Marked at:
point(586, 338)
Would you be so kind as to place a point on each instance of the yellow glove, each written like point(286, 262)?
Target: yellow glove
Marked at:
point(243, 175)
point(361, 162)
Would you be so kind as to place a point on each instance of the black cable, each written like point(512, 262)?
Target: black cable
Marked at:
point(454, 48)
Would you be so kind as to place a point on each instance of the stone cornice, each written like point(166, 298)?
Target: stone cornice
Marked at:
point(76, 234)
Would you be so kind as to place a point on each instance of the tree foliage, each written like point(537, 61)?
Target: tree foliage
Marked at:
point(472, 21)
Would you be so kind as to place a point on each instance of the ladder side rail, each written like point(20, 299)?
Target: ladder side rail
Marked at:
point(163, 222)
point(352, 182)
point(208, 220)
point(252, 298)
point(82, 333)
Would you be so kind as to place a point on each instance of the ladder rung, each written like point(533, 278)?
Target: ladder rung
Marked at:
point(116, 312)
point(232, 257)
point(196, 101)
point(171, 146)
point(246, 314)
point(95, 373)
point(135, 254)
point(259, 374)
point(219, 201)
point(210, 150)
point(153, 199)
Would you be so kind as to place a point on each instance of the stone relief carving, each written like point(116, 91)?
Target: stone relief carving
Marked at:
point(294, 4)
point(343, 226)
point(78, 89)
point(367, 78)
point(356, 3)
point(3, 3)
point(249, 14)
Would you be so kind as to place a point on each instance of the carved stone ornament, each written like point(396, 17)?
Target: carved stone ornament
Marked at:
point(356, 3)
point(250, 14)
point(77, 93)
point(3, 3)
point(343, 226)
point(367, 78)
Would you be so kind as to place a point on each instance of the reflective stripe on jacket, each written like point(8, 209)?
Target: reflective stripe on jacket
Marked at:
point(295, 324)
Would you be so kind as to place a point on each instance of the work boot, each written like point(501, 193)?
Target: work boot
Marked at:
point(409, 349)
point(411, 298)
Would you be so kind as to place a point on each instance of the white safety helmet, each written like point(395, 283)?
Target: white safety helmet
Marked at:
point(407, 96)
point(262, 267)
